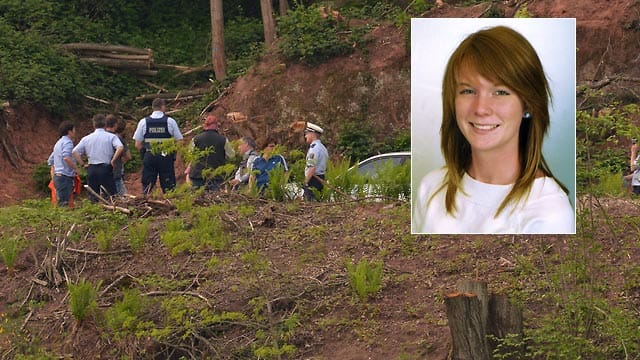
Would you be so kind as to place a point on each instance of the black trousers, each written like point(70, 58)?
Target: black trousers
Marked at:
point(314, 183)
point(158, 166)
point(101, 175)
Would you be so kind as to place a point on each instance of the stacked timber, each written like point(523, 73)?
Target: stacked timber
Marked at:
point(125, 58)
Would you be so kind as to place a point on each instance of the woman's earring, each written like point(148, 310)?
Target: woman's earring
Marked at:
point(526, 115)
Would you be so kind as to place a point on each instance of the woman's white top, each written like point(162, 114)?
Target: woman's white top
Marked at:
point(546, 210)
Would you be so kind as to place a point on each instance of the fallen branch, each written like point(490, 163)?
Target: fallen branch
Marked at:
point(183, 93)
point(39, 282)
point(26, 320)
point(192, 130)
point(104, 291)
point(90, 190)
point(97, 99)
point(93, 252)
point(114, 207)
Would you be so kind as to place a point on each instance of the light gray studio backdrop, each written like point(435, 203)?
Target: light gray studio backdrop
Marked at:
point(432, 43)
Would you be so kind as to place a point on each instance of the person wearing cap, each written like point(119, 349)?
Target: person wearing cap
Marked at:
point(316, 164)
point(158, 127)
point(217, 151)
point(249, 155)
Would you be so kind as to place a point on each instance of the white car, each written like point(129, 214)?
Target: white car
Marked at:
point(369, 169)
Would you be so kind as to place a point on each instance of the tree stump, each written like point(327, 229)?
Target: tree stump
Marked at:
point(473, 315)
point(464, 312)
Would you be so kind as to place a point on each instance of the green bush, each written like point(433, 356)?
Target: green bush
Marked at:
point(35, 72)
point(125, 316)
point(42, 176)
point(307, 37)
point(355, 141)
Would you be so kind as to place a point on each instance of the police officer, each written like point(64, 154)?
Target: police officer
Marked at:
point(316, 164)
point(102, 149)
point(157, 127)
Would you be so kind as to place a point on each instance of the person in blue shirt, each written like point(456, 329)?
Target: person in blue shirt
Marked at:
point(157, 127)
point(62, 163)
point(267, 162)
point(102, 149)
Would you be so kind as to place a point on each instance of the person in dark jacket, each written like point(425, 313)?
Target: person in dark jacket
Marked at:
point(217, 151)
point(157, 127)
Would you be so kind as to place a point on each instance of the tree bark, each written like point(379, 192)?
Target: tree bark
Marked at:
point(465, 322)
point(479, 289)
point(283, 7)
point(268, 22)
point(473, 314)
point(217, 40)
point(505, 319)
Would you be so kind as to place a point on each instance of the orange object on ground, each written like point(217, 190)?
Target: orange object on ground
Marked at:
point(77, 187)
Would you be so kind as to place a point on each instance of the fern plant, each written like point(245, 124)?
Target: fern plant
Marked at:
point(9, 250)
point(138, 234)
point(365, 278)
point(83, 298)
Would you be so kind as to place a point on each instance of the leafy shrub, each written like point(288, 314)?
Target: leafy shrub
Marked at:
point(83, 298)
point(598, 154)
point(355, 141)
point(42, 176)
point(34, 72)
point(125, 315)
point(365, 278)
point(307, 37)
point(296, 159)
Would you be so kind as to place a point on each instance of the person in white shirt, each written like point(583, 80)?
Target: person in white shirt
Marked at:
point(495, 115)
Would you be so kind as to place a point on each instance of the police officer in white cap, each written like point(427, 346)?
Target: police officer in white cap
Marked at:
point(316, 164)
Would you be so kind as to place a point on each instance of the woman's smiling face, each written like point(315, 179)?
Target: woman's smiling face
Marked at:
point(488, 114)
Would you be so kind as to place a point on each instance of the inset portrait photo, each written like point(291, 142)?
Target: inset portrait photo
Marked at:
point(493, 126)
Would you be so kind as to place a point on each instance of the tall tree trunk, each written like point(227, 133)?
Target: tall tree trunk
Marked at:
point(284, 7)
point(268, 22)
point(217, 40)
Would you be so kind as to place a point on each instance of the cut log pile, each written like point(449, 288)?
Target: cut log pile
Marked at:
point(127, 58)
